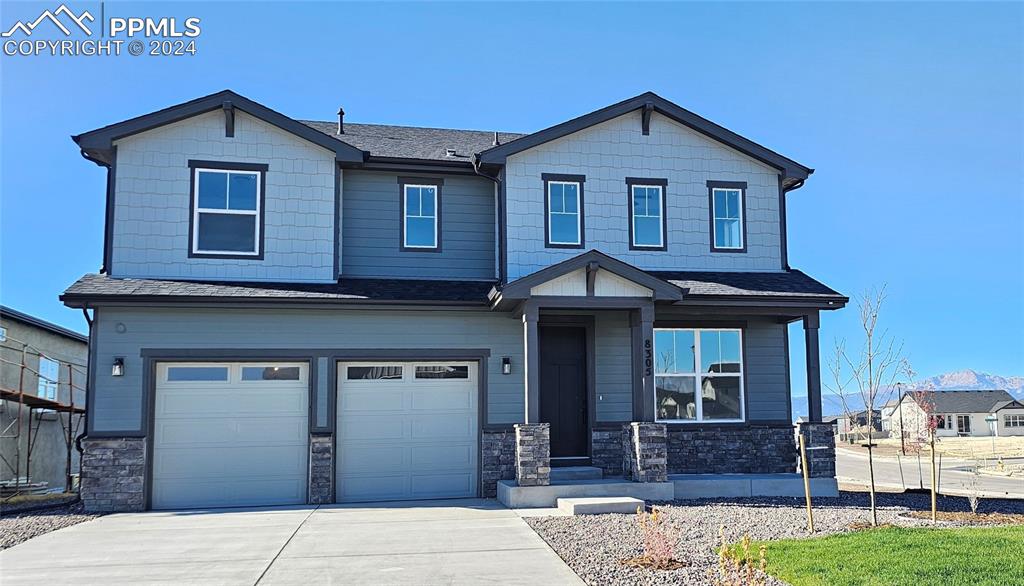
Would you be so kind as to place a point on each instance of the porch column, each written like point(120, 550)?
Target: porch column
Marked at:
point(531, 366)
point(642, 332)
point(813, 367)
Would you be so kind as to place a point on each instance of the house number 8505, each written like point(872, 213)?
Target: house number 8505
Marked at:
point(648, 358)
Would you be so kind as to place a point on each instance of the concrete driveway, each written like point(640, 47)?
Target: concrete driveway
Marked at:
point(438, 542)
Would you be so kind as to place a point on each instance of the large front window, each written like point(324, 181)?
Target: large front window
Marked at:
point(226, 211)
point(698, 375)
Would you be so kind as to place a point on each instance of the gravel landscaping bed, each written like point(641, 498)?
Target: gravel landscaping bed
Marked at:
point(594, 545)
point(18, 527)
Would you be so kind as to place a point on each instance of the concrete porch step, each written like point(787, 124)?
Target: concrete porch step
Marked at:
point(600, 505)
point(571, 473)
point(525, 497)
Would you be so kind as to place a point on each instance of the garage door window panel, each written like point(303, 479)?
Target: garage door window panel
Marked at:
point(270, 373)
point(197, 374)
point(373, 372)
point(442, 371)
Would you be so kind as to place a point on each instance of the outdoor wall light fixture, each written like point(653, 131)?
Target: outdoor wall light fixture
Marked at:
point(118, 368)
point(506, 365)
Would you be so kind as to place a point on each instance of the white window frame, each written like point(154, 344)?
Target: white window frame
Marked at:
point(1013, 420)
point(578, 214)
point(196, 210)
point(715, 218)
point(697, 376)
point(406, 215)
point(661, 216)
point(46, 388)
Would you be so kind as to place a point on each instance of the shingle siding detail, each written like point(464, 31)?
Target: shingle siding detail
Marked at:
point(611, 151)
point(151, 215)
point(371, 215)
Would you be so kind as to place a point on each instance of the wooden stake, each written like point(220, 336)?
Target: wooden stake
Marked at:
point(807, 484)
point(935, 482)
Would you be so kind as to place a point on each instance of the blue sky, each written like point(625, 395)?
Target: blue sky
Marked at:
point(912, 114)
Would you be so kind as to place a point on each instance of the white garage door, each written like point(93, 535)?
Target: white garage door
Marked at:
point(229, 435)
point(407, 431)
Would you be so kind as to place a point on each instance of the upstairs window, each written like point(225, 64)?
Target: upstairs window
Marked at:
point(728, 232)
point(49, 375)
point(646, 213)
point(563, 210)
point(227, 202)
point(698, 375)
point(421, 213)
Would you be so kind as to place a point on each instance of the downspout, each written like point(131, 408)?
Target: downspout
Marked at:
point(783, 190)
point(88, 385)
point(499, 213)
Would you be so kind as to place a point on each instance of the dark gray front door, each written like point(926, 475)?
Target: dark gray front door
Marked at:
point(563, 388)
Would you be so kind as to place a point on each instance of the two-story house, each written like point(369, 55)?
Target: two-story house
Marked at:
point(292, 311)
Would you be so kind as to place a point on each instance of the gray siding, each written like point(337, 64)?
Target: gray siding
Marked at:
point(371, 244)
point(151, 215)
point(118, 401)
point(613, 368)
point(767, 384)
point(608, 153)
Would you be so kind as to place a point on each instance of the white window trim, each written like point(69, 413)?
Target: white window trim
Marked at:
point(633, 215)
point(1013, 420)
point(46, 387)
point(406, 216)
point(697, 376)
point(196, 210)
point(714, 218)
point(579, 225)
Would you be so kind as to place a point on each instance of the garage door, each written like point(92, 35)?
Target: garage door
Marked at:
point(407, 431)
point(228, 435)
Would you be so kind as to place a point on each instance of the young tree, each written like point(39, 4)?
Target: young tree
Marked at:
point(867, 377)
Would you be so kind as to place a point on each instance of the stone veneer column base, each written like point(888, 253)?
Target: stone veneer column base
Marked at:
point(731, 449)
point(113, 474)
point(645, 452)
point(321, 474)
point(821, 462)
point(606, 450)
point(533, 454)
point(497, 460)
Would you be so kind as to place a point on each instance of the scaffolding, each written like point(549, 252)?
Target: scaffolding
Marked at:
point(33, 405)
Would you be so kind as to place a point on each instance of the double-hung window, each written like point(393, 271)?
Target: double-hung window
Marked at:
point(728, 230)
point(421, 214)
point(646, 213)
point(49, 375)
point(563, 210)
point(227, 202)
point(1013, 420)
point(698, 375)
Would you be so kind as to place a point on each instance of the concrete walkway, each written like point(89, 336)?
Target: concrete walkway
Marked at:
point(436, 542)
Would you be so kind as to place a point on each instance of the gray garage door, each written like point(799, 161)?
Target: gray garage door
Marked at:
point(407, 431)
point(230, 434)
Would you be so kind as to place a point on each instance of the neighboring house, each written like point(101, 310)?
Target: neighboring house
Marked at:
point(959, 413)
point(297, 312)
point(887, 412)
point(54, 360)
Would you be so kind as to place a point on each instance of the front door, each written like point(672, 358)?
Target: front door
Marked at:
point(963, 424)
point(563, 388)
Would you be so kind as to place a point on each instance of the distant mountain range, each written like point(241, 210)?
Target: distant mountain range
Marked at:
point(969, 380)
point(960, 380)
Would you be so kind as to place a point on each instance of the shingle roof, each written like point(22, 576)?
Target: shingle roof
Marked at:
point(965, 401)
point(791, 283)
point(413, 142)
point(103, 287)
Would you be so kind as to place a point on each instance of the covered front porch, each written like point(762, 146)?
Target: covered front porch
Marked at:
point(643, 376)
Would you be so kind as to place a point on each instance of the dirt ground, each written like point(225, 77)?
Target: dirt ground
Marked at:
point(967, 448)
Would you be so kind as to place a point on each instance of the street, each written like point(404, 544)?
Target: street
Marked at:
point(955, 475)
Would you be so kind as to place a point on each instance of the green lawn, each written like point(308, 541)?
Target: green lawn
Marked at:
point(898, 556)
